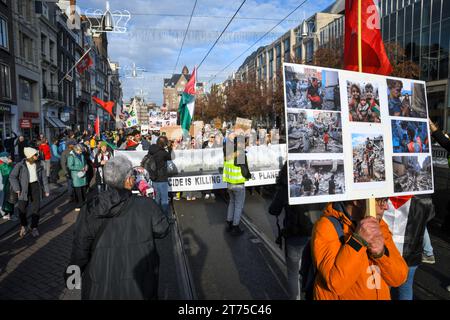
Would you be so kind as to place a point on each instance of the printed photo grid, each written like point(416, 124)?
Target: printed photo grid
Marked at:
point(355, 136)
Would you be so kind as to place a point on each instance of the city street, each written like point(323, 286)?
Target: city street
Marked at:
point(196, 105)
point(219, 266)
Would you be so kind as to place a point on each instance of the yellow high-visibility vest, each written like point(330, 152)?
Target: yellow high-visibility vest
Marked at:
point(231, 173)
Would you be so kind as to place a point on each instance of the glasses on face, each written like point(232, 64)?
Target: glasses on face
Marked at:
point(382, 201)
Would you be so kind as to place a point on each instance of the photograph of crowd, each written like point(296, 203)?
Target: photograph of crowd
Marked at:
point(410, 137)
point(363, 101)
point(315, 132)
point(310, 88)
point(412, 173)
point(406, 99)
point(368, 158)
point(316, 177)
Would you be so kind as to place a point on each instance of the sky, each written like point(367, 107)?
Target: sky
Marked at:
point(154, 36)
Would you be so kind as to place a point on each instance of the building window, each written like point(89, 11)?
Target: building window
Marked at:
point(298, 52)
point(43, 45)
point(5, 82)
point(3, 33)
point(52, 49)
point(25, 87)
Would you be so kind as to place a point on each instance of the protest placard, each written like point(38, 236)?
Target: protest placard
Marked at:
point(243, 124)
point(172, 132)
point(355, 136)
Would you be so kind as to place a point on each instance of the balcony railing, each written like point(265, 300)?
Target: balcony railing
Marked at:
point(51, 95)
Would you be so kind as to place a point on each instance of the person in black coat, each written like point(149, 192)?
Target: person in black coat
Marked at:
point(21, 144)
point(114, 240)
point(440, 137)
point(9, 144)
point(161, 153)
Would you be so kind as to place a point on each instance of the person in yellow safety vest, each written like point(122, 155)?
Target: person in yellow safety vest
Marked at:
point(235, 173)
point(93, 143)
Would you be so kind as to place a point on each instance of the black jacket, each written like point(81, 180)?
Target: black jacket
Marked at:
point(420, 213)
point(296, 221)
point(161, 157)
point(124, 263)
point(9, 143)
point(442, 140)
point(21, 146)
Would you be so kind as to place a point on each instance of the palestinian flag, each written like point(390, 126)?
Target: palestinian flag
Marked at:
point(187, 103)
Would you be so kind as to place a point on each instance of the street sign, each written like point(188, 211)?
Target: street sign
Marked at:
point(25, 123)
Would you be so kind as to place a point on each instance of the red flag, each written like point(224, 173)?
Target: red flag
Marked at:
point(374, 57)
point(397, 202)
point(84, 64)
point(97, 126)
point(190, 86)
point(107, 106)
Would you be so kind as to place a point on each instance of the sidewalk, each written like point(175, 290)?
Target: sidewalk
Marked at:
point(56, 191)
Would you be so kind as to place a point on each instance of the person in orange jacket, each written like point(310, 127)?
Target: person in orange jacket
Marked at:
point(362, 265)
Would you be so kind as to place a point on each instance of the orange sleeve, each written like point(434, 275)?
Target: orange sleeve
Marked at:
point(338, 265)
point(393, 268)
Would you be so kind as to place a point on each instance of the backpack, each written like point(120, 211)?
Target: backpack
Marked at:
point(149, 164)
point(307, 269)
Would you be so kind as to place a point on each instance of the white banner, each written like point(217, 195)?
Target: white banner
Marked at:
point(198, 169)
point(355, 136)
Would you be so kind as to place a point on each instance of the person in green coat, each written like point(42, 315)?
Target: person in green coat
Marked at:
point(6, 166)
point(77, 166)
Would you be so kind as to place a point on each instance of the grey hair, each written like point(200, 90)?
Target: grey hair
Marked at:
point(116, 171)
point(77, 148)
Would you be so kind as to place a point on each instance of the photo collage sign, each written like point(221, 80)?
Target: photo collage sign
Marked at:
point(354, 135)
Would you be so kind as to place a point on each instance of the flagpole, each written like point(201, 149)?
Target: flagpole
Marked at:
point(359, 37)
point(74, 66)
point(370, 203)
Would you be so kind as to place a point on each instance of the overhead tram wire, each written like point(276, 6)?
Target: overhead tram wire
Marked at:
point(217, 40)
point(207, 17)
point(256, 42)
point(184, 39)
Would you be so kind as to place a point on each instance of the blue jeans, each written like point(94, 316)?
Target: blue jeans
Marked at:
point(405, 291)
point(427, 248)
point(294, 249)
point(236, 205)
point(162, 196)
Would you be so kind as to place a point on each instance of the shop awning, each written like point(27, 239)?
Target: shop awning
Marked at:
point(56, 123)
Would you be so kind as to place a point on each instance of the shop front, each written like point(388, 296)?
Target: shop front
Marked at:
point(30, 125)
point(6, 127)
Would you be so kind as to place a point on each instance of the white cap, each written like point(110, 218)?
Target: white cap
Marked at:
point(29, 152)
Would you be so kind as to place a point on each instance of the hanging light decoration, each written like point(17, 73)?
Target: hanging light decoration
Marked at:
point(107, 20)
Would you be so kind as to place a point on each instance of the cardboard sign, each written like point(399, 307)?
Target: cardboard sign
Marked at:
point(196, 128)
point(172, 132)
point(243, 124)
point(217, 123)
point(355, 136)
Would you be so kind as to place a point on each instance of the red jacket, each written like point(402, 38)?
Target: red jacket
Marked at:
point(45, 149)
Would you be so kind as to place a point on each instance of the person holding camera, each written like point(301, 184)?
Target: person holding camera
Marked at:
point(161, 152)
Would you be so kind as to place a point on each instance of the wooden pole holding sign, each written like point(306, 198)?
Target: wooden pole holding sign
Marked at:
point(370, 203)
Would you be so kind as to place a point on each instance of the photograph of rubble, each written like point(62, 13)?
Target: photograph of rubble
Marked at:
point(311, 88)
point(410, 137)
point(406, 99)
point(368, 158)
point(363, 101)
point(313, 131)
point(316, 177)
point(412, 173)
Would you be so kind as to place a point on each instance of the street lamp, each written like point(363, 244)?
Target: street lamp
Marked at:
point(107, 20)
